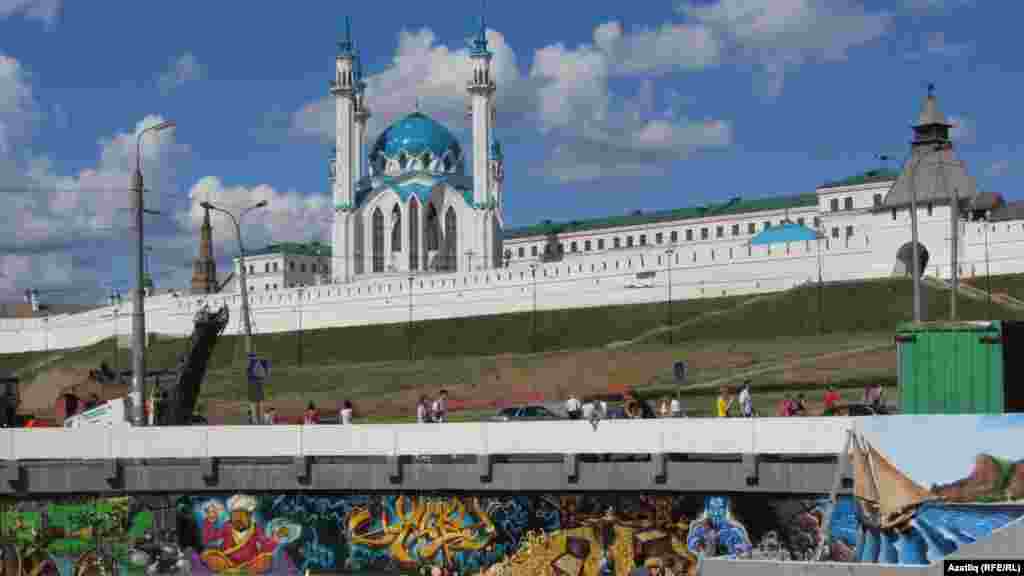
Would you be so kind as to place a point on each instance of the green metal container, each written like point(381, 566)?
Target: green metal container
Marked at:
point(960, 367)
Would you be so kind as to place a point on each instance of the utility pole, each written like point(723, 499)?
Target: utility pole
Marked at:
point(298, 353)
point(954, 263)
point(138, 387)
point(533, 330)
point(255, 396)
point(668, 254)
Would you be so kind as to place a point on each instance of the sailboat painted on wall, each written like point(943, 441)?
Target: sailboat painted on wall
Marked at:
point(901, 521)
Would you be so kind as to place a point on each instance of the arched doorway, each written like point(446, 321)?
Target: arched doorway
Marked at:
point(433, 238)
point(396, 233)
point(414, 233)
point(378, 240)
point(451, 243)
point(905, 256)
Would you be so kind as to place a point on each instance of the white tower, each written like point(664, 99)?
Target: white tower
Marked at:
point(481, 89)
point(362, 116)
point(344, 88)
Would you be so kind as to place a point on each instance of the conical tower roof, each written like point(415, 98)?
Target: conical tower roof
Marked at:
point(930, 113)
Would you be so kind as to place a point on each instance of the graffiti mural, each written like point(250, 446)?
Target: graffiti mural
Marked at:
point(87, 536)
point(976, 484)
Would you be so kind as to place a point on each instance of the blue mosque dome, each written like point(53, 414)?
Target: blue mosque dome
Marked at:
point(416, 142)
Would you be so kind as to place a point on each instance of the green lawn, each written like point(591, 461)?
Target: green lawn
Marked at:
point(875, 306)
point(1012, 284)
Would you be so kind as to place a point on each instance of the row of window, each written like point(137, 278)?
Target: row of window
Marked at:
point(659, 238)
point(928, 208)
point(272, 267)
point(833, 204)
point(269, 287)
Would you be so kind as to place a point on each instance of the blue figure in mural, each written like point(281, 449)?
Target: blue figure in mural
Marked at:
point(716, 533)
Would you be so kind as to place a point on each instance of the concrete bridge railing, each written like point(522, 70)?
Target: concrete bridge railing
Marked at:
point(774, 436)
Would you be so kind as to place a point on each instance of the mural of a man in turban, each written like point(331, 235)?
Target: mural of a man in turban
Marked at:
point(243, 546)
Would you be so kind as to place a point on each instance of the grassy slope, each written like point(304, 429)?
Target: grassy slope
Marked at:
point(370, 363)
point(1012, 284)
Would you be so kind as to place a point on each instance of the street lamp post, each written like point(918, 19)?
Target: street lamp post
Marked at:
point(668, 254)
point(298, 353)
point(246, 322)
point(533, 320)
point(115, 302)
point(988, 275)
point(821, 284)
point(408, 328)
point(138, 387)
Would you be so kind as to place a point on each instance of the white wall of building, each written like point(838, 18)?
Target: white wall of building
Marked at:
point(698, 270)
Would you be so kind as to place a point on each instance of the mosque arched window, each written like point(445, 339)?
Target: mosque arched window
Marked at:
point(378, 240)
point(451, 238)
point(396, 229)
point(414, 234)
point(433, 232)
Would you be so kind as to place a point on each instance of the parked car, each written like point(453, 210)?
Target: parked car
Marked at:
point(524, 413)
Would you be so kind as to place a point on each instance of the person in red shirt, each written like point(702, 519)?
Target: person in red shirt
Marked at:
point(832, 400)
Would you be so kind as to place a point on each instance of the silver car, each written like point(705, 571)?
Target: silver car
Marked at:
point(525, 413)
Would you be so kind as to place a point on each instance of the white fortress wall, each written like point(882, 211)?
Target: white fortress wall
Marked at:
point(699, 270)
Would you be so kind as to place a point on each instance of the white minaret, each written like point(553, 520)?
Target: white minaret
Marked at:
point(481, 89)
point(344, 89)
point(362, 116)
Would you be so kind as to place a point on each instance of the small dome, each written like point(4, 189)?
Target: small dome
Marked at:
point(416, 142)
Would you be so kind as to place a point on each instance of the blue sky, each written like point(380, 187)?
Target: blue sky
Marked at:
point(952, 443)
point(601, 109)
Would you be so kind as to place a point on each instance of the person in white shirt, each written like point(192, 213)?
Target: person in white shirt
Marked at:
point(675, 407)
point(588, 409)
point(440, 408)
point(602, 409)
point(345, 416)
point(423, 410)
point(573, 407)
point(746, 402)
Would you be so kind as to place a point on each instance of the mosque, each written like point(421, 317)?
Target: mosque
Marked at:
point(414, 208)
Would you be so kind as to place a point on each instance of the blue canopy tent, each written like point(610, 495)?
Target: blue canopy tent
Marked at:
point(789, 232)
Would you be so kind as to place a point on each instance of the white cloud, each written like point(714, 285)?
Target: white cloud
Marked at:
point(186, 68)
point(46, 10)
point(18, 109)
point(781, 34)
point(963, 130)
point(566, 94)
point(998, 168)
point(289, 216)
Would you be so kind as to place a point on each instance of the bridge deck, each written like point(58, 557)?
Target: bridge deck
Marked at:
point(697, 455)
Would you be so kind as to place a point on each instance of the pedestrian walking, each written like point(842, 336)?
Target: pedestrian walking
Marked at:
point(345, 415)
point(746, 401)
point(311, 416)
point(440, 408)
point(724, 402)
point(663, 409)
point(573, 407)
point(270, 416)
point(831, 400)
point(676, 407)
point(423, 410)
point(589, 408)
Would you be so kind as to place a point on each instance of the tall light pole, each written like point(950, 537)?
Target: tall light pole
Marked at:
point(915, 255)
point(298, 353)
point(115, 302)
point(138, 388)
point(988, 276)
point(819, 233)
point(533, 320)
point(408, 327)
point(668, 254)
point(246, 322)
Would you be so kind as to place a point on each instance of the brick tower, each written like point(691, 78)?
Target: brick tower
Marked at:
point(204, 269)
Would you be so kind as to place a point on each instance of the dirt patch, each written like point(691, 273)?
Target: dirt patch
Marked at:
point(830, 369)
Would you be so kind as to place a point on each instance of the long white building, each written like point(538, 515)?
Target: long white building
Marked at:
point(856, 228)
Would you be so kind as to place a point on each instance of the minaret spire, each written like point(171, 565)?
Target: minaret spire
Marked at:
point(480, 42)
point(346, 44)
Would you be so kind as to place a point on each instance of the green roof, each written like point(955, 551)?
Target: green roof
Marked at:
point(865, 178)
point(734, 206)
point(314, 248)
